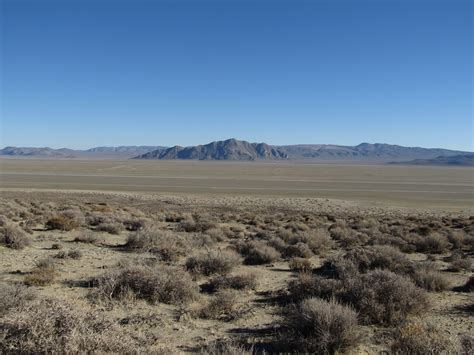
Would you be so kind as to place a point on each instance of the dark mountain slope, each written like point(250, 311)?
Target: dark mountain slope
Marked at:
point(231, 149)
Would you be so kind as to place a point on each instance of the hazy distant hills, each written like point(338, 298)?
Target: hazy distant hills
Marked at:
point(37, 152)
point(453, 160)
point(122, 152)
point(237, 150)
point(231, 149)
point(364, 151)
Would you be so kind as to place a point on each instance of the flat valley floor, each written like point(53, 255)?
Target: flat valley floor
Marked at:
point(439, 188)
point(232, 258)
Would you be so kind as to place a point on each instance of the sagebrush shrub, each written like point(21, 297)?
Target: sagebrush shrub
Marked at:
point(319, 326)
point(222, 306)
point(258, 253)
point(434, 243)
point(111, 228)
point(300, 264)
point(428, 278)
point(62, 223)
point(154, 283)
point(383, 297)
point(360, 260)
point(213, 262)
point(14, 296)
point(13, 237)
point(236, 282)
point(87, 237)
point(44, 273)
point(308, 285)
point(420, 339)
point(59, 327)
point(165, 244)
point(298, 250)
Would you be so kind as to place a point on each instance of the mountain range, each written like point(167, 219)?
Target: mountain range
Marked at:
point(238, 150)
point(453, 160)
point(233, 149)
point(120, 152)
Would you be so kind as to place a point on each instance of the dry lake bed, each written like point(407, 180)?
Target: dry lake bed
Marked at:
point(442, 188)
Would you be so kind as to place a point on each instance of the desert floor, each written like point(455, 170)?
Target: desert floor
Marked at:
point(416, 221)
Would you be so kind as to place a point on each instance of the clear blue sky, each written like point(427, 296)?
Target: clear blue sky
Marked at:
point(87, 73)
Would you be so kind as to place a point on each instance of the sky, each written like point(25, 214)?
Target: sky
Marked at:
point(87, 73)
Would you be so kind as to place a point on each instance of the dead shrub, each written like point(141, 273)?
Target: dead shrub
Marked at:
point(236, 282)
point(258, 253)
point(216, 234)
point(227, 347)
point(300, 264)
point(42, 274)
point(87, 237)
point(134, 224)
point(434, 243)
point(213, 262)
point(49, 326)
point(469, 285)
point(467, 344)
point(370, 258)
point(163, 243)
point(61, 222)
point(14, 237)
point(279, 244)
point(419, 339)
point(347, 237)
point(223, 306)
point(111, 228)
point(14, 296)
point(461, 264)
point(317, 240)
point(308, 285)
point(71, 254)
point(154, 283)
point(299, 250)
point(319, 326)
point(431, 280)
point(200, 226)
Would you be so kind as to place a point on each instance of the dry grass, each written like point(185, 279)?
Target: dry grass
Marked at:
point(300, 264)
point(50, 326)
point(87, 237)
point(62, 223)
point(44, 273)
point(420, 339)
point(14, 296)
point(429, 279)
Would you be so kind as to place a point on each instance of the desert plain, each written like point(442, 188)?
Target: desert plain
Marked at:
point(233, 257)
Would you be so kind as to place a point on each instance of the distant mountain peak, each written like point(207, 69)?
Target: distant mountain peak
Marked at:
point(229, 149)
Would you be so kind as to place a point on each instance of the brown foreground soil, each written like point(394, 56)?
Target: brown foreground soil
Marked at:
point(83, 236)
